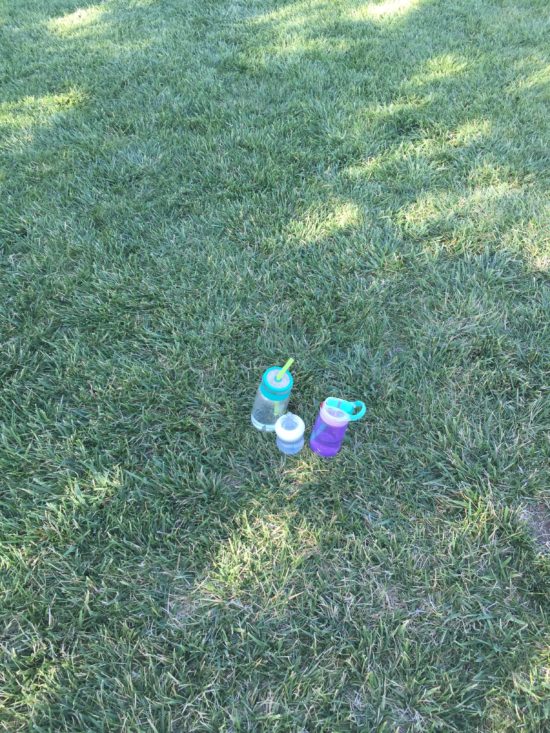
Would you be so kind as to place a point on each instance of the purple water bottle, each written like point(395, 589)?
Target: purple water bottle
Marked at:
point(331, 425)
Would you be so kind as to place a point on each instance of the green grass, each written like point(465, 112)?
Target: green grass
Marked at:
point(192, 190)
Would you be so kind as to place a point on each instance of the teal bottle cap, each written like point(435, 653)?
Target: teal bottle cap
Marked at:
point(273, 388)
point(348, 407)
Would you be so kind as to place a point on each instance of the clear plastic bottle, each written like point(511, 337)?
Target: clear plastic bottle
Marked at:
point(271, 399)
point(290, 434)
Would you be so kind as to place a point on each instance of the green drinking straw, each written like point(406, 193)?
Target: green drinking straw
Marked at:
point(284, 370)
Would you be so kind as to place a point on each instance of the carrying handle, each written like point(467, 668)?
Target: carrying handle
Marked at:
point(348, 407)
point(362, 410)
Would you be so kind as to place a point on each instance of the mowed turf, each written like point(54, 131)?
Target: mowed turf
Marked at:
point(191, 191)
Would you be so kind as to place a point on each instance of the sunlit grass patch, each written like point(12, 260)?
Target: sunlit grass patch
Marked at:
point(381, 10)
point(476, 217)
point(29, 111)
point(324, 221)
point(470, 132)
point(441, 68)
point(260, 560)
point(21, 119)
point(78, 20)
point(294, 16)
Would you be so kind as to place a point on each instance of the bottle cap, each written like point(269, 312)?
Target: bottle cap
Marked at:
point(339, 412)
point(273, 388)
point(289, 427)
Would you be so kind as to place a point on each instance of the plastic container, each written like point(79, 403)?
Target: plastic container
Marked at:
point(271, 399)
point(290, 434)
point(332, 422)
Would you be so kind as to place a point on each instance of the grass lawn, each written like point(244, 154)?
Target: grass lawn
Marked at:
point(190, 191)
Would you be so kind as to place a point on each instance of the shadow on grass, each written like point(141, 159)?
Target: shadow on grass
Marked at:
point(362, 189)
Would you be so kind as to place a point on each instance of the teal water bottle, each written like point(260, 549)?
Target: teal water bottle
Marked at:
point(272, 397)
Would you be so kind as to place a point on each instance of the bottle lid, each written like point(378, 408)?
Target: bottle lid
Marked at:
point(289, 427)
point(273, 388)
point(339, 412)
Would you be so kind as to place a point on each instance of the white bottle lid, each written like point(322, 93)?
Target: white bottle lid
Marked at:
point(289, 428)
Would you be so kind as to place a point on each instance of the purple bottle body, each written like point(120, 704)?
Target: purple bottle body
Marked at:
point(327, 439)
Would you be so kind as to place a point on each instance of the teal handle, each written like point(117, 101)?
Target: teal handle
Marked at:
point(348, 407)
point(362, 409)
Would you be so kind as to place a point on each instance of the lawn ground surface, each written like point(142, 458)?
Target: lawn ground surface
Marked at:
point(190, 191)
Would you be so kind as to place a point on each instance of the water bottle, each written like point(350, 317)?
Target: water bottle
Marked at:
point(331, 425)
point(290, 434)
point(272, 397)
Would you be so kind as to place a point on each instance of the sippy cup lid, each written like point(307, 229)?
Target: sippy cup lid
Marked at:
point(342, 411)
point(273, 388)
point(289, 427)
